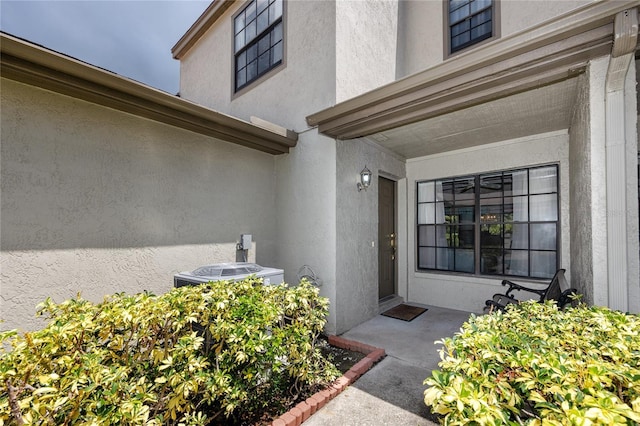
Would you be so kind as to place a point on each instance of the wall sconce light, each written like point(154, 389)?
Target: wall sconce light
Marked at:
point(365, 179)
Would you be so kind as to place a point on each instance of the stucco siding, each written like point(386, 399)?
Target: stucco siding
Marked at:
point(423, 25)
point(98, 201)
point(357, 229)
point(366, 42)
point(306, 218)
point(469, 292)
point(581, 224)
point(304, 84)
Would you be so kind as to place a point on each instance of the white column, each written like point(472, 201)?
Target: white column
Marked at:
point(625, 40)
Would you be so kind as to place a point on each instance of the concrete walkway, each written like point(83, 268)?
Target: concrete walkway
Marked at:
point(391, 393)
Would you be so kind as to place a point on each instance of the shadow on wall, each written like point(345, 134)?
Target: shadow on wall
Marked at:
point(76, 175)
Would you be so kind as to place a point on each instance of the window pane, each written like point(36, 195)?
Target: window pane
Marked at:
point(252, 71)
point(491, 210)
point(465, 189)
point(427, 235)
point(264, 44)
point(239, 23)
point(465, 214)
point(543, 236)
point(263, 63)
point(477, 5)
point(444, 259)
point(240, 40)
point(276, 54)
point(426, 191)
point(481, 31)
point(543, 264)
point(460, 40)
point(491, 185)
point(491, 261)
point(544, 207)
point(520, 209)
point(467, 236)
point(481, 18)
point(491, 236)
point(519, 238)
point(263, 21)
point(241, 78)
point(250, 32)
point(519, 182)
point(452, 236)
point(276, 34)
point(251, 11)
point(455, 4)
point(465, 261)
point(241, 62)
point(262, 5)
point(278, 8)
point(458, 14)
point(517, 263)
point(507, 210)
point(460, 28)
point(426, 212)
point(252, 53)
point(426, 258)
point(543, 180)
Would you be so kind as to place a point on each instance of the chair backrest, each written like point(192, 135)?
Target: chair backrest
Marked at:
point(557, 285)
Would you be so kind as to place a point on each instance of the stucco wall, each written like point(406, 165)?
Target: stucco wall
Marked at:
point(596, 74)
point(469, 292)
point(306, 213)
point(357, 229)
point(98, 201)
point(422, 27)
point(303, 85)
point(366, 41)
point(580, 197)
point(633, 244)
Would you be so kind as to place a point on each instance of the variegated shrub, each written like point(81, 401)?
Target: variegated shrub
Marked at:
point(537, 365)
point(193, 355)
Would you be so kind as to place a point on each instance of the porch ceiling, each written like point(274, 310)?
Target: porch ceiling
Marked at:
point(536, 111)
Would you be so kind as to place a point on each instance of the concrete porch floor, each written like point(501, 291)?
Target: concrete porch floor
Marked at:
point(391, 393)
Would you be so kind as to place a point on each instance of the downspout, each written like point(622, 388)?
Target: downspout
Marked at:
point(622, 52)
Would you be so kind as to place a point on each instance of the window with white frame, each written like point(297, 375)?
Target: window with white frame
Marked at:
point(470, 21)
point(258, 40)
point(499, 223)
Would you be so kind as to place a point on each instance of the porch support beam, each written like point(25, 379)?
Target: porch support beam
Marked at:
point(622, 53)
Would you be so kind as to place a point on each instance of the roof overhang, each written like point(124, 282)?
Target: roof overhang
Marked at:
point(200, 27)
point(543, 55)
point(34, 65)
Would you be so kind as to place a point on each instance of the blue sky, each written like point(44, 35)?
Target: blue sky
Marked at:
point(131, 38)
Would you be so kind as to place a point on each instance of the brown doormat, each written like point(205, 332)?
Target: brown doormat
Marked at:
point(404, 312)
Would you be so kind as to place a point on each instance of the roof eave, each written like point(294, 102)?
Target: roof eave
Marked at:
point(40, 67)
point(215, 10)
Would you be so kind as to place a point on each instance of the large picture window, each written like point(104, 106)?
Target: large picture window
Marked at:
point(470, 21)
point(501, 223)
point(258, 40)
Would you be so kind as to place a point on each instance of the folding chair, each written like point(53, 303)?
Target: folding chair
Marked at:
point(558, 290)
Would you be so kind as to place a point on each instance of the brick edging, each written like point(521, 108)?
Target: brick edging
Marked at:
point(305, 409)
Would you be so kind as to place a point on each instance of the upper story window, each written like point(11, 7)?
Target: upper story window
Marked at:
point(470, 21)
point(258, 40)
point(499, 223)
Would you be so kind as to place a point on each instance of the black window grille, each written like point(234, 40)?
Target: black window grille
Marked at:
point(470, 21)
point(258, 40)
point(501, 223)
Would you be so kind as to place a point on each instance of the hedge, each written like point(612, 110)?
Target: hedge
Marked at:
point(537, 365)
point(194, 355)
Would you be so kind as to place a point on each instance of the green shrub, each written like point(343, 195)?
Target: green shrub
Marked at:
point(193, 355)
point(537, 365)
